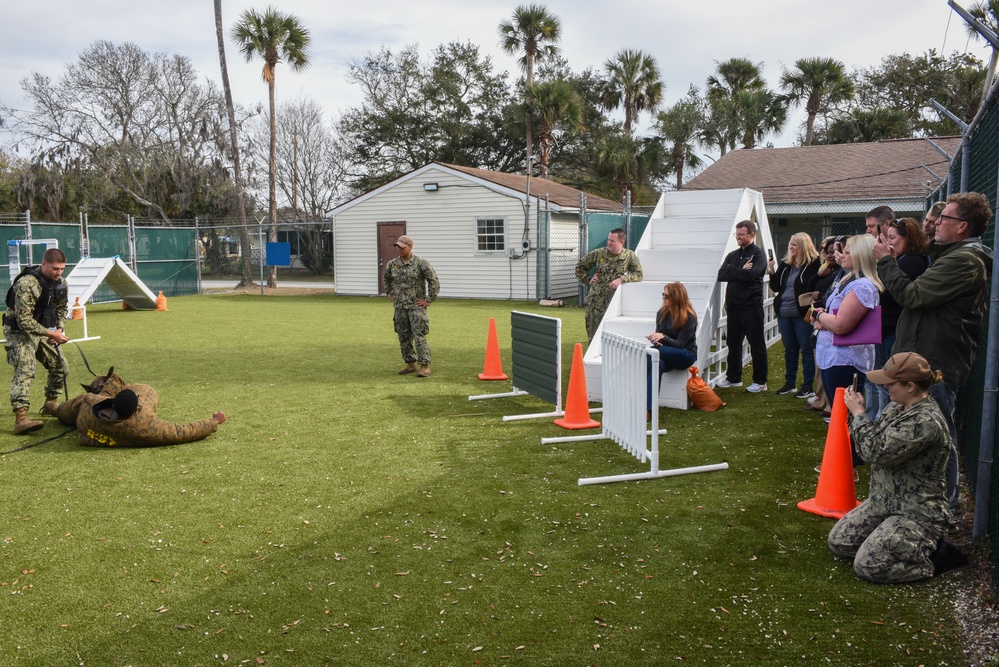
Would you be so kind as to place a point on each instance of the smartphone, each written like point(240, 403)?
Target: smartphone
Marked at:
point(770, 254)
point(879, 230)
point(856, 382)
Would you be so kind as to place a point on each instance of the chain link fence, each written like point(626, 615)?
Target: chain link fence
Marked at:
point(980, 163)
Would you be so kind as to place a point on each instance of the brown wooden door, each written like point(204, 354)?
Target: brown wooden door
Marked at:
point(388, 232)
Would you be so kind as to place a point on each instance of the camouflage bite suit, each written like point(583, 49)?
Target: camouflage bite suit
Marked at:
point(624, 265)
point(891, 535)
point(142, 429)
point(27, 343)
point(408, 282)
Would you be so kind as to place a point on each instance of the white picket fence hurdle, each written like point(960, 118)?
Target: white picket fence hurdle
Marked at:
point(625, 363)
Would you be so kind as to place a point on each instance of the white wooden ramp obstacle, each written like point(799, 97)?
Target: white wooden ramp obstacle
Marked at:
point(92, 272)
point(625, 384)
point(687, 238)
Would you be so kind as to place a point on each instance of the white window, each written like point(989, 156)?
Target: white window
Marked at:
point(490, 234)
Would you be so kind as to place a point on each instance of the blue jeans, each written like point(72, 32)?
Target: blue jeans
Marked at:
point(670, 359)
point(883, 398)
point(833, 378)
point(946, 396)
point(872, 398)
point(796, 336)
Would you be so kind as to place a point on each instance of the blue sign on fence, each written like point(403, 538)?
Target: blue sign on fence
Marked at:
point(278, 254)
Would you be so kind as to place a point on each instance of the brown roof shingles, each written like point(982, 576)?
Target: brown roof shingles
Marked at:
point(559, 194)
point(878, 170)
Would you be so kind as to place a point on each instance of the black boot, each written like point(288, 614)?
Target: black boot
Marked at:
point(947, 557)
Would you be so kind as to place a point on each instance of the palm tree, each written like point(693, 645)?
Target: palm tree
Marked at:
point(760, 113)
point(680, 127)
point(555, 107)
point(816, 83)
point(725, 122)
point(534, 31)
point(633, 82)
point(244, 234)
point(274, 37)
point(735, 75)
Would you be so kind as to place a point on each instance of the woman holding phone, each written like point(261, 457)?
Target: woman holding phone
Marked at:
point(675, 334)
point(851, 299)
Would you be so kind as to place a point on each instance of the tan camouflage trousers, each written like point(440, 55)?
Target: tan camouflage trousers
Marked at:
point(412, 326)
point(22, 353)
point(885, 548)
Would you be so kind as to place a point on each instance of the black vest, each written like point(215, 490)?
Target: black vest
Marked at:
point(54, 294)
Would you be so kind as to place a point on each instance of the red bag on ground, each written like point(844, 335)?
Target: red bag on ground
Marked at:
point(701, 394)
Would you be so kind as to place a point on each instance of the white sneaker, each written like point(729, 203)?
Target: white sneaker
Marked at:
point(723, 383)
point(756, 388)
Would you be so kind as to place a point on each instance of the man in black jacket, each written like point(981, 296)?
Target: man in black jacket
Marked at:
point(743, 270)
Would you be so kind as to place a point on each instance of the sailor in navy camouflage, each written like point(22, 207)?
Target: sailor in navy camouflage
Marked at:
point(412, 284)
point(611, 266)
point(897, 534)
point(33, 328)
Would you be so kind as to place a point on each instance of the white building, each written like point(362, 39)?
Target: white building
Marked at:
point(470, 224)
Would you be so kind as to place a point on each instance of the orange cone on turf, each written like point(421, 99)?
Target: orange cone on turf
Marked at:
point(77, 310)
point(161, 302)
point(493, 368)
point(836, 493)
point(577, 404)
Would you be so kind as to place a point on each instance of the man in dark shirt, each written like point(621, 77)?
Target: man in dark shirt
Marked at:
point(743, 270)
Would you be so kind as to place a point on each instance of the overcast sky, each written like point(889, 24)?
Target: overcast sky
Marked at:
point(687, 39)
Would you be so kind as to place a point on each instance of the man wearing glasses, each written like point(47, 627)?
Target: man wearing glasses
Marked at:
point(944, 308)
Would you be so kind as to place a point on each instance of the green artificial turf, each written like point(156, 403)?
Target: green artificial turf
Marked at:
point(347, 515)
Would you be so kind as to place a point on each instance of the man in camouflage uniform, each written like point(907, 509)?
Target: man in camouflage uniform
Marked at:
point(33, 328)
point(121, 415)
point(611, 266)
point(412, 285)
point(896, 535)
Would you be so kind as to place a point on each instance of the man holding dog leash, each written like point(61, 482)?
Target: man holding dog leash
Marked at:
point(37, 303)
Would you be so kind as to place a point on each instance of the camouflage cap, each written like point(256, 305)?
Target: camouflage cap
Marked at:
point(404, 240)
point(903, 367)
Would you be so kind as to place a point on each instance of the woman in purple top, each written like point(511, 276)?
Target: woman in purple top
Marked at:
point(856, 293)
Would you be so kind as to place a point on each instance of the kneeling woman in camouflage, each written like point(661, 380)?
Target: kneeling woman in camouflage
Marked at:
point(896, 535)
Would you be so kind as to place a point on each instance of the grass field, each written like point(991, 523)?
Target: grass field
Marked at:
point(347, 515)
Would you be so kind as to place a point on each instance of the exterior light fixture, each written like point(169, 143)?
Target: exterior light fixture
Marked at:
point(430, 187)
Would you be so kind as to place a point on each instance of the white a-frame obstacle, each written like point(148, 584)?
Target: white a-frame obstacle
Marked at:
point(92, 272)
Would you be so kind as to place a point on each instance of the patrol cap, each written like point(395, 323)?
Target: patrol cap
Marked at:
point(404, 241)
point(125, 403)
point(903, 367)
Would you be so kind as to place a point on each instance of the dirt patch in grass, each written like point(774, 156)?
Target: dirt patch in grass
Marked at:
point(974, 598)
point(254, 290)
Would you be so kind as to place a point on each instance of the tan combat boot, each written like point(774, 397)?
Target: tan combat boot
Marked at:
point(424, 371)
point(410, 368)
point(24, 425)
point(51, 408)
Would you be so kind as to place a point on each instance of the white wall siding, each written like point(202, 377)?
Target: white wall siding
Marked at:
point(442, 224)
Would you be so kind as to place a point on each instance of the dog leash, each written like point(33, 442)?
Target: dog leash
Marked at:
point(40, 442)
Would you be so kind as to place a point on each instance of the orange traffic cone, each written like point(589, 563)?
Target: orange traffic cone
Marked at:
point(493, 368)
point(836, 494)
point(161, 302)
point(577, 405)
point(77, 310)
